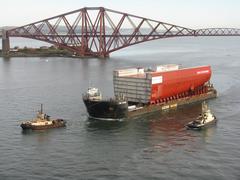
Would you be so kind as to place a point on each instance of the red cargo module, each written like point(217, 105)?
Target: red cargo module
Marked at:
point(164, 83)
point(171, 83)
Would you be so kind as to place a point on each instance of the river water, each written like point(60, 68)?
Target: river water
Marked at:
point(153, 147)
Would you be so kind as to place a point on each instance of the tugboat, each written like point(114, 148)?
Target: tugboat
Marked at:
point(205, 119)
point(43, 121)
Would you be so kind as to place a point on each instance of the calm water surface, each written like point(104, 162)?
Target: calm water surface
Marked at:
point(153, 147)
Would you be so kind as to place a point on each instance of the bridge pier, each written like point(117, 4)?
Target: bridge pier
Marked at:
point(105, 55)
point(5, 43)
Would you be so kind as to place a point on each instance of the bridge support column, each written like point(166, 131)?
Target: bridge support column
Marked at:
point(105, 55)
point(5, 43)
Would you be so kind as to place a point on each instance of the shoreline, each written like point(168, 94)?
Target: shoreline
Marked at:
point(38, 52)
point(43, 52)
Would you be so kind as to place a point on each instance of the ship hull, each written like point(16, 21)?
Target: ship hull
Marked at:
point(106, 110)
point(101, 111)
point(173, 104)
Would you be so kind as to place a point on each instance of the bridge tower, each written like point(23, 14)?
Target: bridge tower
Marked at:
point(5, 43)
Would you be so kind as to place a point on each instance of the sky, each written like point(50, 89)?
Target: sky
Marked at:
point(187, 13)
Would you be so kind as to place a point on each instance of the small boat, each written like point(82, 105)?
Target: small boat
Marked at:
point(43, 121)
point(206, 118)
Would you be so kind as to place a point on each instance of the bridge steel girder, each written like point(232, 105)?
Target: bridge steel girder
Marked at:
point(97, 31)
point(218, 32)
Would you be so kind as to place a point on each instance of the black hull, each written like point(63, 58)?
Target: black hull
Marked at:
point(106, 110)
point(110, 110)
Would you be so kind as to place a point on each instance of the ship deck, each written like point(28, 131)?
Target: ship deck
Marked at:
point(173, 104)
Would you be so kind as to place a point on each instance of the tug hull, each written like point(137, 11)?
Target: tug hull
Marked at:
point(55, 124)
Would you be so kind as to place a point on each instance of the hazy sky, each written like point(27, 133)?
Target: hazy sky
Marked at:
point(188, 13)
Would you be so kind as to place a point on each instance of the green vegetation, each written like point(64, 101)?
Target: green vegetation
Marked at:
point(39, 52)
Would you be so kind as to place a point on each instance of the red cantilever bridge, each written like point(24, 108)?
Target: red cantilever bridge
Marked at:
point(97, 31)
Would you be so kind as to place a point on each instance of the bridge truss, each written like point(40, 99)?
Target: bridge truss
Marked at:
point(97, 31)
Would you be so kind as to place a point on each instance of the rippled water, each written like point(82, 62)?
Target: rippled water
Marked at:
point(153, 147)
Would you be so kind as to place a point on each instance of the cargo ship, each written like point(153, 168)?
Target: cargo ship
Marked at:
point(138, 91)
